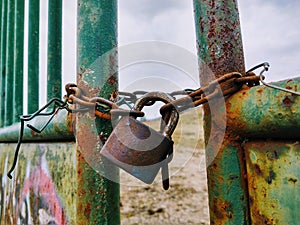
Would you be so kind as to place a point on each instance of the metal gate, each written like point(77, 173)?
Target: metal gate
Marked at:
point(252, 179)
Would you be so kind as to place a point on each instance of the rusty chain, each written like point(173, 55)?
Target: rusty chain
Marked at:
point(77, 101)
point(228, 83)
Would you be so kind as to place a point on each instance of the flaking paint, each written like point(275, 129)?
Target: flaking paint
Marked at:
point(273, 181)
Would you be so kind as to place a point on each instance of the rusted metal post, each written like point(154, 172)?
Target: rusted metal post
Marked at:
point(220, 51)
point(98, 197)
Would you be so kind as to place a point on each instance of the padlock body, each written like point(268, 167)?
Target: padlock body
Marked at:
point(137, 148)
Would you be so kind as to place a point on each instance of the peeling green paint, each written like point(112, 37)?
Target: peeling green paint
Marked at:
point(98, 197)
point(220, 51)
point(273, 181)
point(266, 112)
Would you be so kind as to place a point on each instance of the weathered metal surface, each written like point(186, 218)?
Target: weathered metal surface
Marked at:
point(3, 60)
point(219, 39)
point(60, 128)
point(33, 55)
point(227, 189)
point(43, 189)
point(137, 149)
point(220, 51)
point(98, 197)
point(54, 49)
point(1, 36)
point(18, 61)
point(273, 181)
point(9, 63)
point(263, 112)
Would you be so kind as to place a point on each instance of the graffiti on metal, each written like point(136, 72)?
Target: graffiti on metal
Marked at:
point(38, 194)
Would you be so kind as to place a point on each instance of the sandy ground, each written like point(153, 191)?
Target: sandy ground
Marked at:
point(186, 202)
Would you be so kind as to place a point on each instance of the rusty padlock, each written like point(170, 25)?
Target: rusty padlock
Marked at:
point(137, 148)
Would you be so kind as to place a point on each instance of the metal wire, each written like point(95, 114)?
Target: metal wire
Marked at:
point(58, 104)
point(262, 77)
point(266, 67)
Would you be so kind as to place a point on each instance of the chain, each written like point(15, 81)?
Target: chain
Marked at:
point(226, 85)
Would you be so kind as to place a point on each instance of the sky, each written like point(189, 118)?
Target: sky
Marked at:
point(270, 32)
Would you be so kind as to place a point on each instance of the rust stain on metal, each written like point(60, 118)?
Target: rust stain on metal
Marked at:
point(87, 144)
point(86, 88)
point(112, 80)
point(222, 210)
point(223, 35)
point(287, 101)
point(274, 189)
point(113, 96)
point(87, 210)
point(134, 146)
point(276, 117)
point(33, 133)
point(257, 170)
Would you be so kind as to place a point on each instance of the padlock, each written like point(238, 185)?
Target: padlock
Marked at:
point(139, 149)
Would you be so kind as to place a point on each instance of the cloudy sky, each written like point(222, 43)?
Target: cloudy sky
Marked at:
point(270, 32)
point(270, 29)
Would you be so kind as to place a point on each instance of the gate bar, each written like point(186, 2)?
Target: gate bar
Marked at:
point(264, 116)
point(3, 60)
point(18, 61)
point(33, 55)
point(220, 51)
point(54, 49)
point(9, 64)
point(98, 197)
point(1, 31)
point(59, 129)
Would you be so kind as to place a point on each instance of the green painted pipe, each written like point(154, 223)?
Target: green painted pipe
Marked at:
point(33, 56)
point(1, 31)
point(9, 77)
point(3, 60)
point(59, 129)
point(18, 61)
point(98, 197)
point(54, 49)
point(252, 113)
point(220, 51)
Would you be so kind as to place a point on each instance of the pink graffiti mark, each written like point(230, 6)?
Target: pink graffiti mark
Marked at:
point(41, 184)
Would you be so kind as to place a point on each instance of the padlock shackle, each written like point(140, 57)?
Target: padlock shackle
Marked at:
point(170, 118)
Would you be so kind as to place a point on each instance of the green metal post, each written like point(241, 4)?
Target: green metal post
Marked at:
point(98, 197)
point(54, 49)
point(3, 60)
point(9, 72)
point(33, 56)
point(18, 61)
point(1, 31)
point(220, 51)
